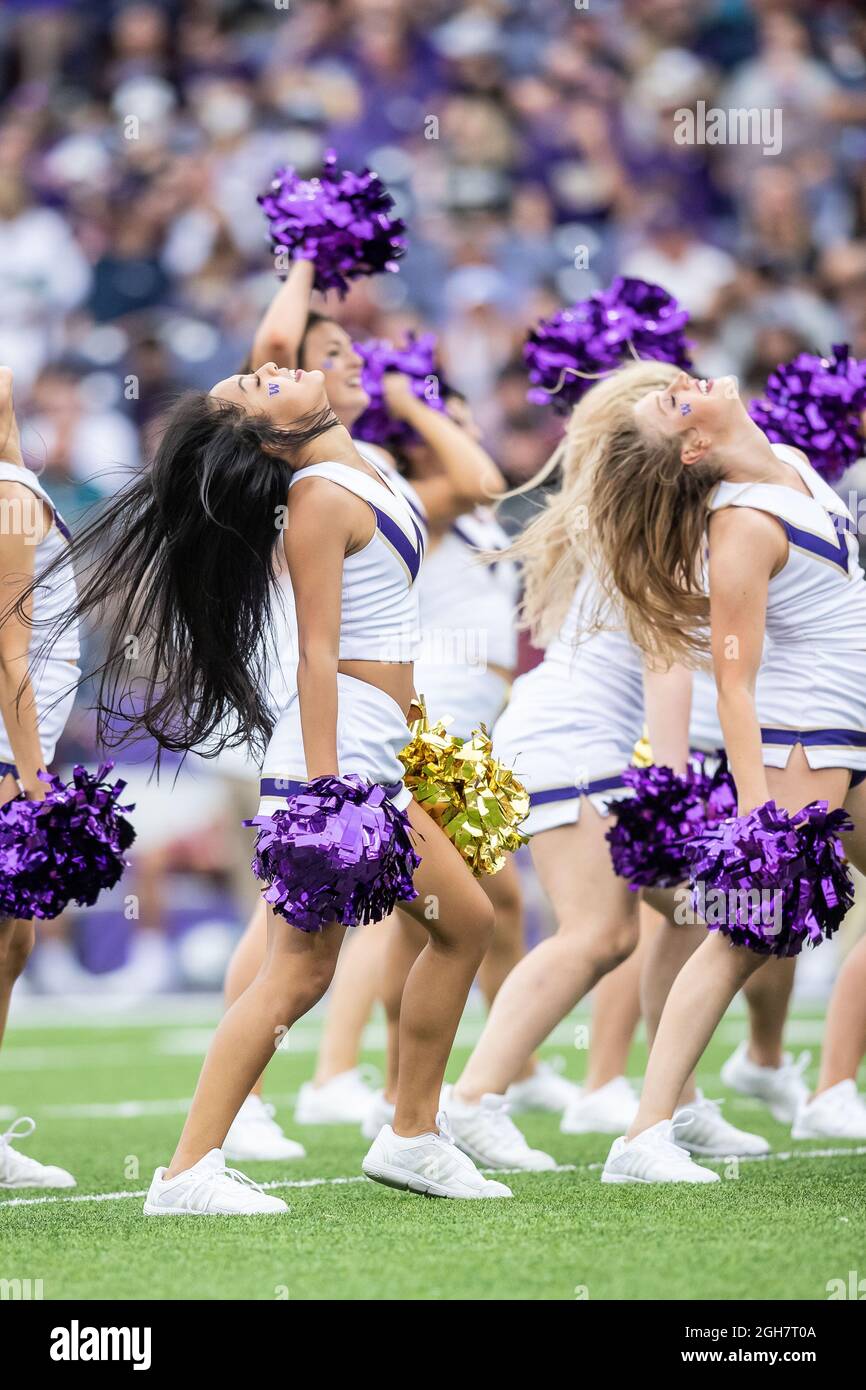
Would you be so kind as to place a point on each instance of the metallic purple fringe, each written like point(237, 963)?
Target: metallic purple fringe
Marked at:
point(817, 404)
point(631, 318)
point(66, 848)
point(653, 827)
point(775, 881)
point(341, 852)
point(343, 222)
point(416, 358)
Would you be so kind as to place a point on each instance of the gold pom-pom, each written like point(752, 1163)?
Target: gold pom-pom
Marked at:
point(476, 801)
point(643, 754)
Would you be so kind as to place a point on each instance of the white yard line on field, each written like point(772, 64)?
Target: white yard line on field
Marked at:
point(859, 1151)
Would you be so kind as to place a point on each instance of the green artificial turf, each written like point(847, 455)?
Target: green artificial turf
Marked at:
point(778, 1228)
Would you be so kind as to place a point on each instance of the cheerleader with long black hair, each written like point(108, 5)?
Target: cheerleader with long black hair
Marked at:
point(292, 334)
point(186, 565)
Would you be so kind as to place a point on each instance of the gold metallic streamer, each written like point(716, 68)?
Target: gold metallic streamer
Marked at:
point(643, 754)
point(476, 801)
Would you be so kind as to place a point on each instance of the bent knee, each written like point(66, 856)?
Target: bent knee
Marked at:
point(607, 943)
point(471, 927)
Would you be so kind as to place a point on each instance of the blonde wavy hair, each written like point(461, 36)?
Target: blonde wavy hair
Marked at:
point(554, 548)
point(646, 541)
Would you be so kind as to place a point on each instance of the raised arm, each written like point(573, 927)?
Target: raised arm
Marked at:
point(746, 548)
point(667, 706)
point(281, 331)
point(10, 440)
point(468, 475)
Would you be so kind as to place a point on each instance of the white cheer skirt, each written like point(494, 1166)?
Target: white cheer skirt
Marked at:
point(817, 699)
point(371, 731)
point(464, 696)
point(55, 684)
point(570, 728)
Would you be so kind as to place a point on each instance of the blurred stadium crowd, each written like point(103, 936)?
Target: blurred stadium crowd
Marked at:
point(530, 146)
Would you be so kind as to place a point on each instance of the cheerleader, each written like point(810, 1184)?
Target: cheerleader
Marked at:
point(783, 569)
point(292, 335)
point(37, 689)
point(467, 661)
point(570, 730)
point(186, 564)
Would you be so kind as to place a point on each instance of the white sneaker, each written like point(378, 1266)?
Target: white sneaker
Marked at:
point(256, 1134)
point(487, 1133)
point(545, 1089)
point(609, 1110)
point(702, 1129)
point(344, 1100)
point(653, 1156)
point(782, 1089)
point(209, 1188)
point(16, 1170)
point(429, 1164)
point(838, 1113)
point(381, 1112)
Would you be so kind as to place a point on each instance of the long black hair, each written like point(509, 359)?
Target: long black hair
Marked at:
point(178, 575)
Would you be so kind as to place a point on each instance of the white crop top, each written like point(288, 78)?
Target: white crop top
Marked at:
point(819, 595)
point(379, 613)
point(57, 596)
point(458, 592)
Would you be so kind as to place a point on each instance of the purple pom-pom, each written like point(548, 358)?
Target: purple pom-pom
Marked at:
point(416, 359)
point(342, 222)
point(631, 318)
point(773, 882)
point(341, 852)
point(64, 849)
point(817, 404)
point(648, 840)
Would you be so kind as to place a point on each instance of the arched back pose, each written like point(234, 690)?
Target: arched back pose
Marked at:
point(293, 336)
point(570, 730)
point(783, 567)
point(187, 565)
point(37, 689)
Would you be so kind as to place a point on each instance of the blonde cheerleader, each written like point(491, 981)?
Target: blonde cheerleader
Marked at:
point(686, 459)
point(570, 730)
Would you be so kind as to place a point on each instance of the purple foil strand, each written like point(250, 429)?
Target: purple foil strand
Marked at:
point(631, 318)
point(66, 848)
point(341, 852)
point(816, 404)
point(343, 222)
point(652, 829)
point(773, 882)
point(416, 359)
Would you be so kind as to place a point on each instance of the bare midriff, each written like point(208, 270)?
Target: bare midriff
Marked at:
point(396, 678)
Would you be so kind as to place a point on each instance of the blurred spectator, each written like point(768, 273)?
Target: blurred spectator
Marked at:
point(82, 449)
point(534, 149)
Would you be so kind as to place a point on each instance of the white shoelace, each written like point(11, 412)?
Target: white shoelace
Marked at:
point(234, 1175)
point(444, 1128)
point(681, 1119)
point(498, 1113)
point(796, 1067)
point(15, 1133)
